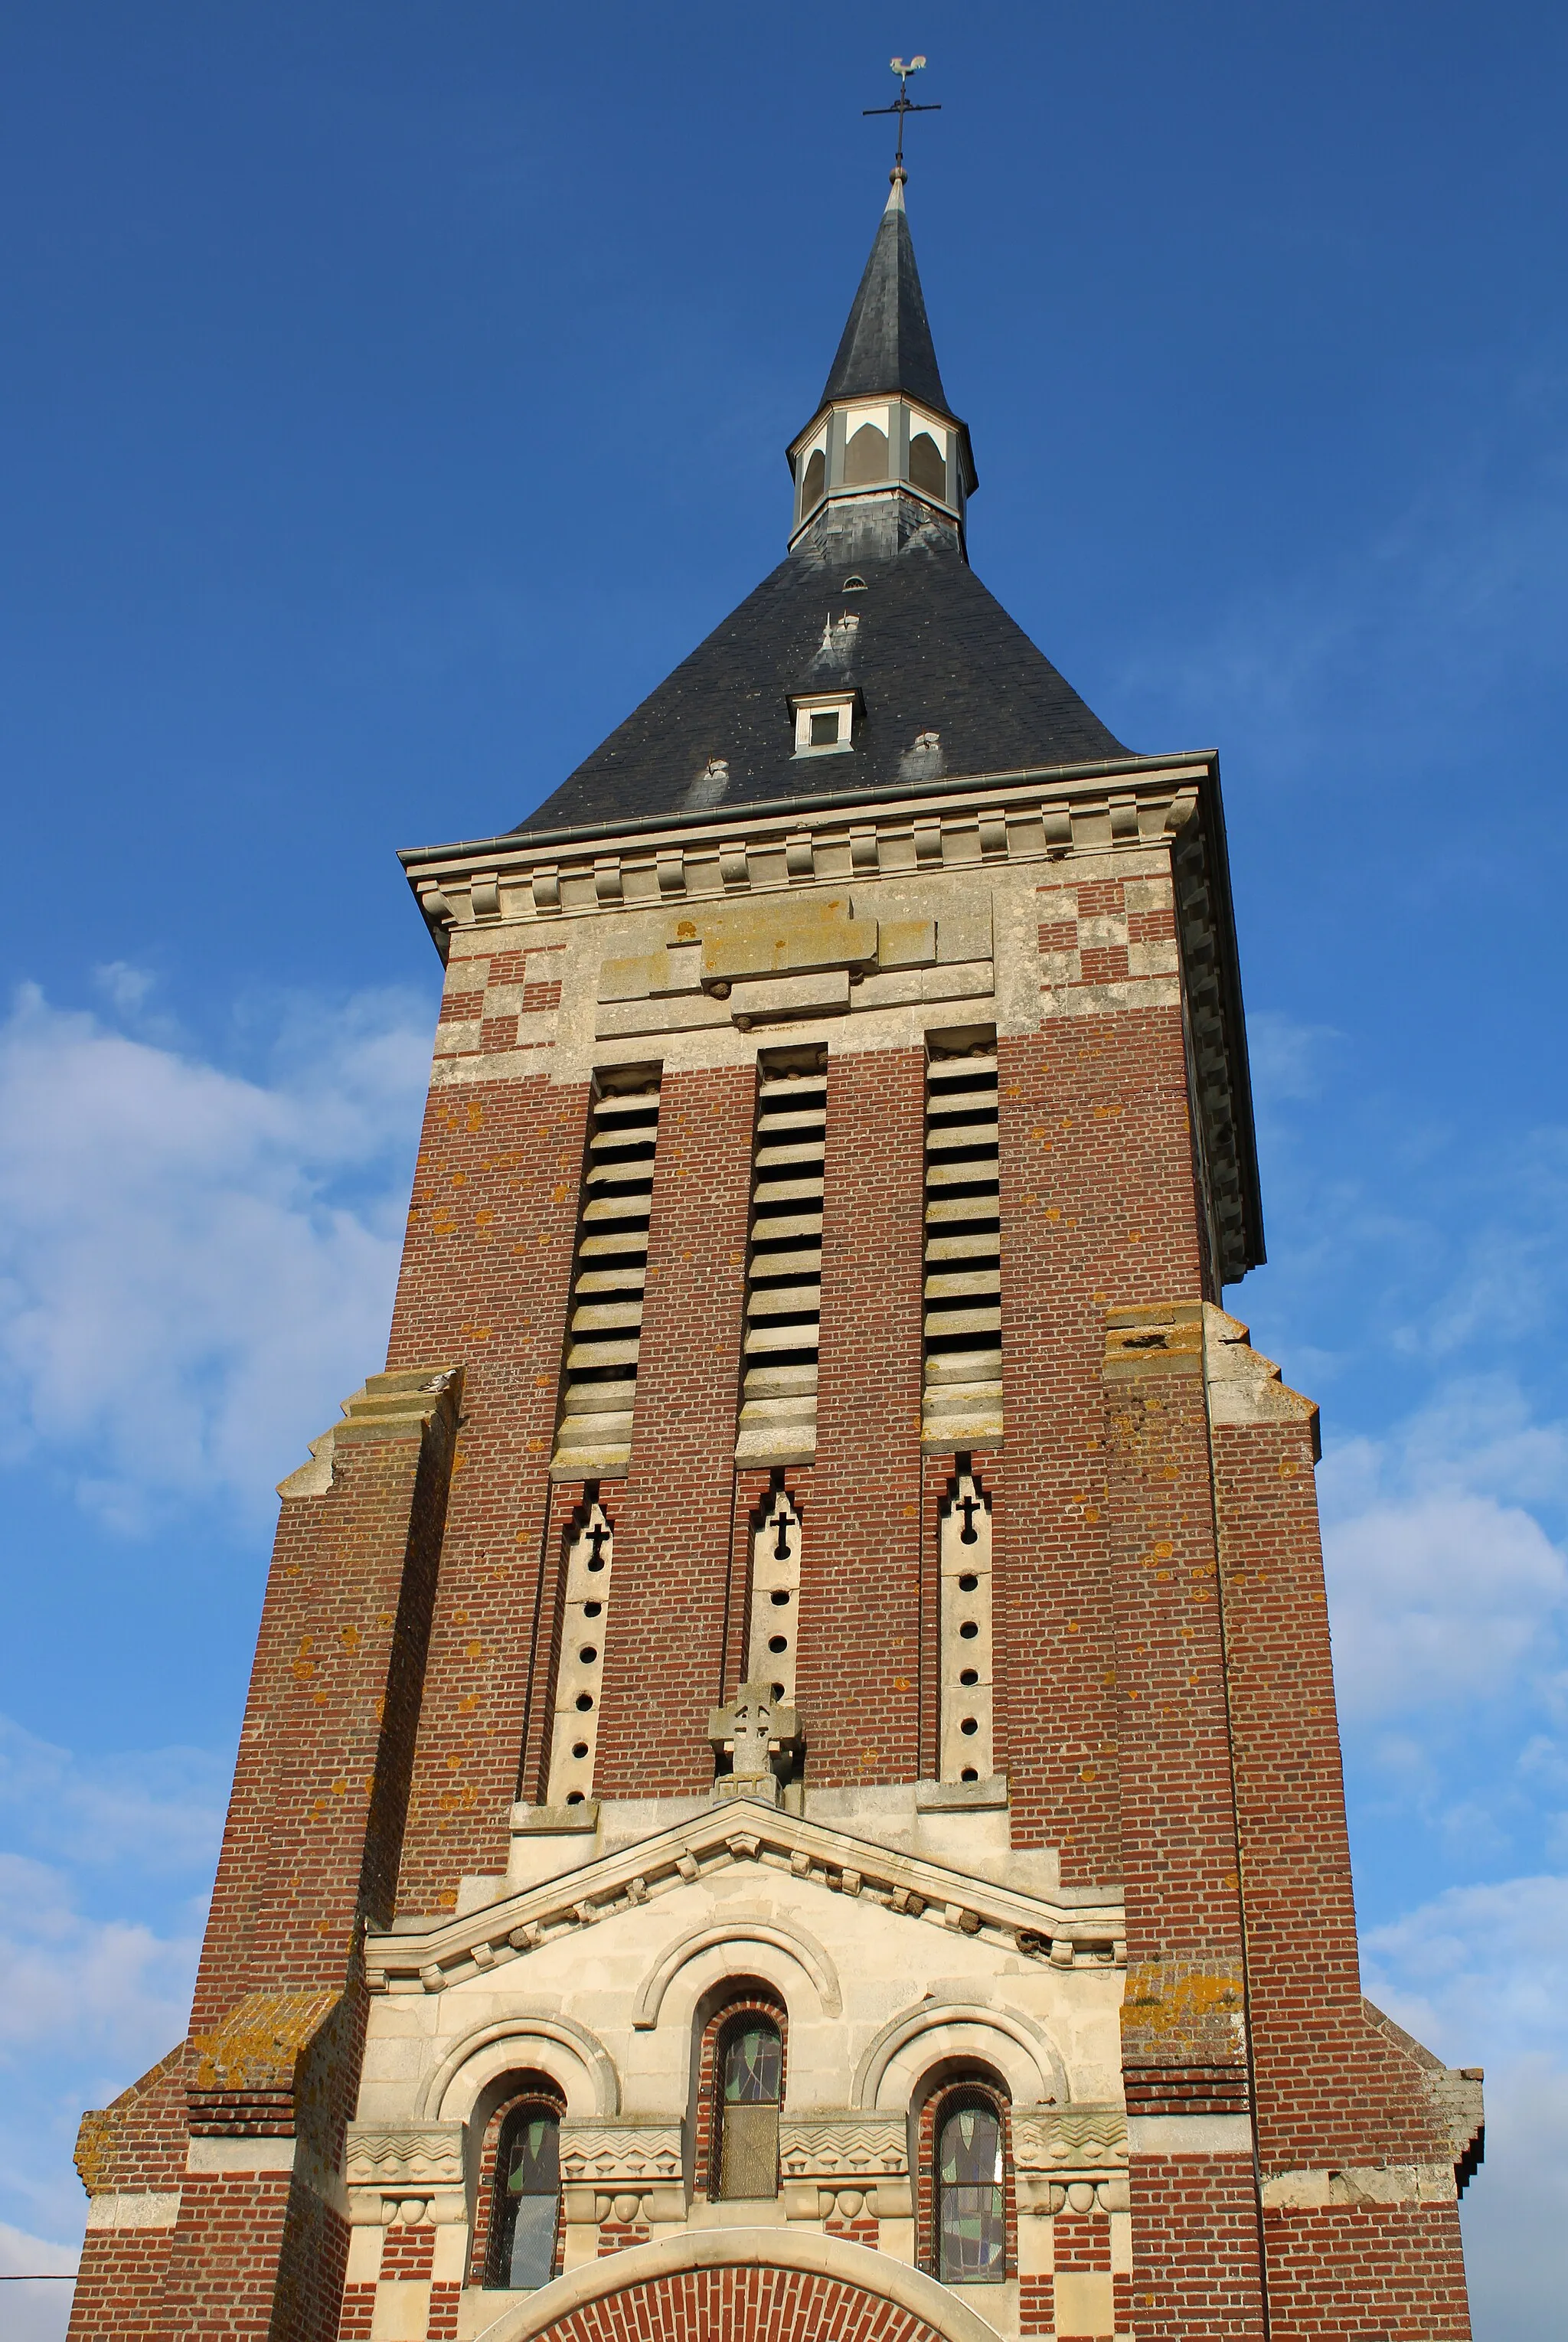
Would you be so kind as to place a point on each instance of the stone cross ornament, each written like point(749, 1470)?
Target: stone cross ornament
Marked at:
point(751, 1728)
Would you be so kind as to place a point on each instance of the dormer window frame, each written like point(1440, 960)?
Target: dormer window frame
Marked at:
point(810, 711)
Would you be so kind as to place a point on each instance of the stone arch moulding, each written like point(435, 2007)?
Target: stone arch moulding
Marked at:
point(780, 1935)
point(806, 2254)
point(580, 2063)
point(948, 2028)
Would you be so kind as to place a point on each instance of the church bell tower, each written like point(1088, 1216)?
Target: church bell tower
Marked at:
point(791, 1784)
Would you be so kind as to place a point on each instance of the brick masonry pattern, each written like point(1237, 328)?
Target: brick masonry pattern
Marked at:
point(752, 2305)
point(402, 1679)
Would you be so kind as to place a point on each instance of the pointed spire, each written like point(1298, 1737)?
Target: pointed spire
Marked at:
point(887, 344)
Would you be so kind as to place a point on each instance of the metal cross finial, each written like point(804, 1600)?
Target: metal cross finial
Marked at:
point(903, 104)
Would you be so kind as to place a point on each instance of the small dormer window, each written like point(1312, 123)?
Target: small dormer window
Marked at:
point(824, 723)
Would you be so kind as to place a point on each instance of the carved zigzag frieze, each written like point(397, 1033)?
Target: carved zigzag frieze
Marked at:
point(404, 2156)
point(1056, 1934)
point(1070, 2138)
point(598, 2152)
point(839, 2148)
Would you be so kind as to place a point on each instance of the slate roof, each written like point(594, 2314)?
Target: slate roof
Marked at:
point(928, 650)
point(925, 647)
point(886, 344)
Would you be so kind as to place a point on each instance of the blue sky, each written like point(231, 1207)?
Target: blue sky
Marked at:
point(391, 396)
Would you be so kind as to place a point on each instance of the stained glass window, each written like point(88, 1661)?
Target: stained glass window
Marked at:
point(527, 2199)
point(750, 2076)
point(970, 2203)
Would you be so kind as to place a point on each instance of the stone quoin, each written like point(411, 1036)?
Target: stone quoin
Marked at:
point(790, 1784)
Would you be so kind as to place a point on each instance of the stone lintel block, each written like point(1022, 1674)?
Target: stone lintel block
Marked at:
point(960, 1797)
point(555, 1821)
point(1245, 1387)
point(1163, 1338)
point(772, 1000)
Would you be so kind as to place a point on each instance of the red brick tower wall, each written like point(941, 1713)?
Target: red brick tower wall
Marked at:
point(486, 1277)
point(247, 2121)
point(675, 1510)
point(858, 1675)
point(1336, 2268)
point(1163, 1692)
point(1098, 1208)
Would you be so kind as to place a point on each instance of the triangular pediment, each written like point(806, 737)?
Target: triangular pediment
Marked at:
point(1059, 1933)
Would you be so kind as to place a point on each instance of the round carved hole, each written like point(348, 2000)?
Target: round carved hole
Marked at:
point(969, 1773)
point(579, 1749)
point(967, 1583)
point(591, 1609)
point(969, 1630)
point(597, 1561)
point(778, 1642)
point(574, 1796)
point(584, 1702)
point(969, 1726)
point(778, 1691)
point(587, 1654)
point(969, 1676)
point(780, 1599)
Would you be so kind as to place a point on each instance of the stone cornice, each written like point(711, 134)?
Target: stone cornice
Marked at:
point(448, 1952)
point(1052, 816)
point(986, 818)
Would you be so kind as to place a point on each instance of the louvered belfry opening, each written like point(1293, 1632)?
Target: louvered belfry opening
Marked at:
point(784, 1280)
point(594, 1439)
point(963, 1243)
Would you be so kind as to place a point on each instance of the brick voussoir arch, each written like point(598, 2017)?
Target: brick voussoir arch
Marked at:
point(767, 2283)
point(587, 2061)
point(1021, 2048)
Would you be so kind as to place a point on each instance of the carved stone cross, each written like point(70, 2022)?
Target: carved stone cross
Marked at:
point(751, 1723)
point(751, 1728)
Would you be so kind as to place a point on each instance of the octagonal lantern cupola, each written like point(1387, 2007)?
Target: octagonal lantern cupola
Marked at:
point(883, 436)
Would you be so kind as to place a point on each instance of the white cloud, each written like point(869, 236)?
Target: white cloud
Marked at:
point(98, 1945)
point(1286, 1057)
point(195, 1266)
point(1442, 1587)
point(19, 2250)
point(35, 2313)
point(160, 1809)
point(101, 1989)
point(1447, 1597)
point(1481, 1974)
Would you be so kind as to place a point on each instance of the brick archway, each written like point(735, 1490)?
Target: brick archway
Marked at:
point(769, 2284)
point(766, 2305)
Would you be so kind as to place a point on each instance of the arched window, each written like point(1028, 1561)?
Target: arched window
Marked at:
point(525, 2209)
point(865, 458)
point(748, 2079)
point(815, 480)
point(927, 466)
point(970, 2189)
